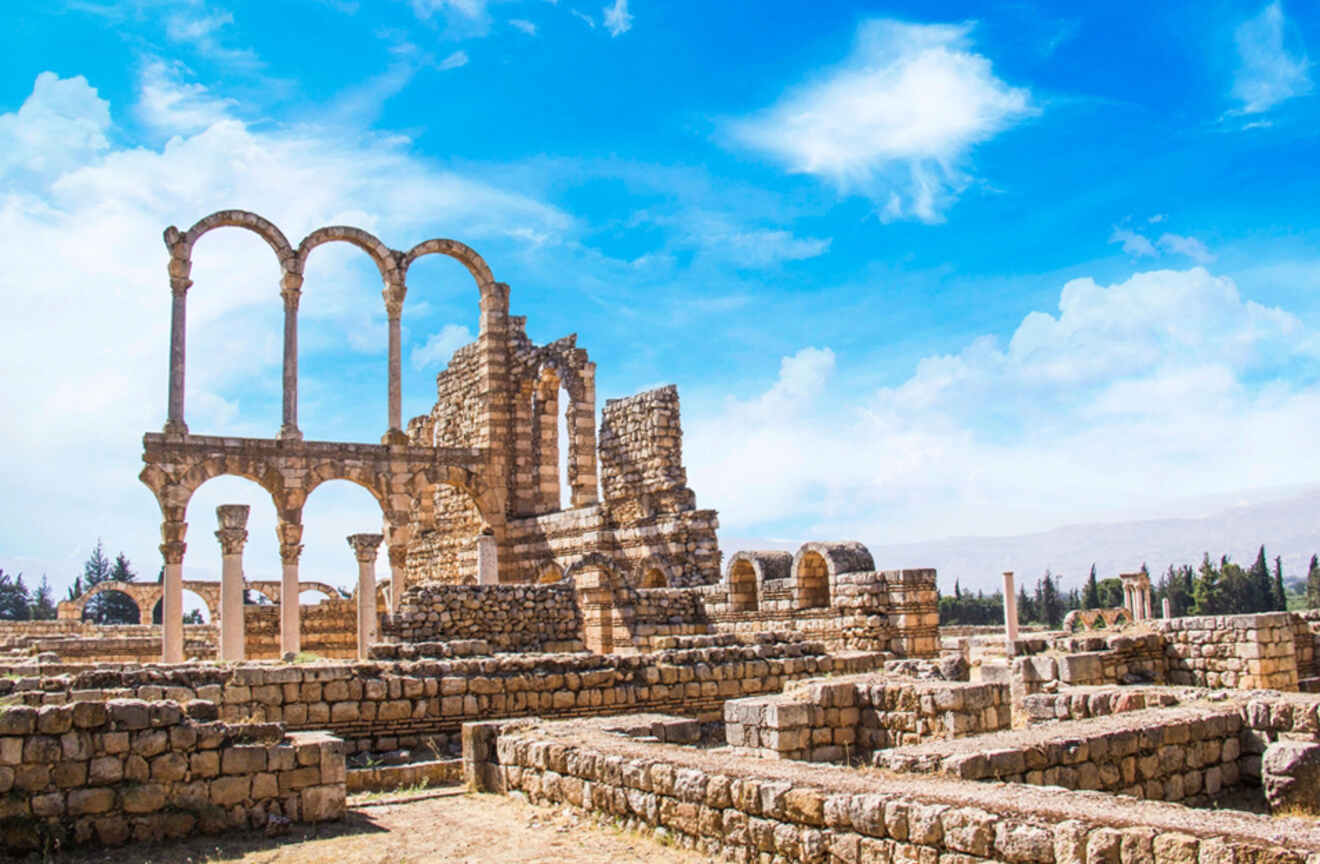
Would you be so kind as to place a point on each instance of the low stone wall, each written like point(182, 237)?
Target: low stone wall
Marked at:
point(1080, 703)
point(760, 810)
point(1242, 651)
point(390, 705)
point(328, 628)
point(829, 721)
point(509, 617)
point(1094, 661)
point(128, 770)
point(1165, 754)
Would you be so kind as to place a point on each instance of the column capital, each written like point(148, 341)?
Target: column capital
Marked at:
point(173, 551)
point(179, 285)
point(232, 540)
point(291, 289)
point(394, 293)
point(398, 555)
point(365, 546)
point(290, 552)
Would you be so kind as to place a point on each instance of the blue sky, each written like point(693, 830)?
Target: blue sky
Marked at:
point(919, 270)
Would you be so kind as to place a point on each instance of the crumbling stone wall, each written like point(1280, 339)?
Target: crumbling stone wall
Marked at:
point(128, 770)
point(508, 617)
point(1244, 651)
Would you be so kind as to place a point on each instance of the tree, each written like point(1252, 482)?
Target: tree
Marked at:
point(1209, 597)
point(1260, 593)
point(1111, 593)
point(193, 616)
point(13, 598)
point(1048, 608)
point(41, 606)
point(1313, 584)
point(1280, 594)
point(1091, 596)
point(108, 607)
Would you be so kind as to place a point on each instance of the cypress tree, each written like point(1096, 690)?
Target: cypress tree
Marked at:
point(1280, 593)
point(1091, 595)
point(1313, 584)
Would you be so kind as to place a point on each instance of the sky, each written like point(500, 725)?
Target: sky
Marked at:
point(919, 270)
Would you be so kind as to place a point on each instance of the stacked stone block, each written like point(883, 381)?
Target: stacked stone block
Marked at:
point(1235, 651)
point(508, 617)
point(130, 770)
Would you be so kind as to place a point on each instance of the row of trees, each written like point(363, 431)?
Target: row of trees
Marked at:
point(17, 603)
point(1213, 588)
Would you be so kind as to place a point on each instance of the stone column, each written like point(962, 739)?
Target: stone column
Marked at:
point(171, 603)
point(232, 536)
point(398, 557)
point(1010, 609)
point(394, 310)
point(291, 291)
point(1145, 603)
point(179, 284)
point(488, 560)
point(290, 533)
point(1168, 609)
point(582, 442)
point(365, 546)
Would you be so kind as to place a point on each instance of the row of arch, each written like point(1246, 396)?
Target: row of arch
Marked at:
point(392, 264)
point(149, 596)
point(645, 575)
point(809, 577)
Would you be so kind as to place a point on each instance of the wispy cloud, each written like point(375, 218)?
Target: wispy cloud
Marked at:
point(524, 25)
point(616, 18)
point(439, 347)
point(453, 61)
point(1269, 71)
point(896, 122)
point(584, 18)
point(1134, 244)
point(171, 106)
point(1177, 244)
point(1140, 246)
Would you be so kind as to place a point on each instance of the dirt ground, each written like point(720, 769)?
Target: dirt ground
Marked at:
point(447, 827)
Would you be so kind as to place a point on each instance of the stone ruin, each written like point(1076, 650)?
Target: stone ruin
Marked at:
point(788, 707)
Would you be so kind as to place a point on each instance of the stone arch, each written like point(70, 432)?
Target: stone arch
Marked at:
point(595, 559)
point(198, 590)
point(125, 589)
point(549, 572)
point(654, 572)
point(181, 243)
point(747, 573)
point(384, 257)
point(327, 591)
point(494, 295)
point(816, 568)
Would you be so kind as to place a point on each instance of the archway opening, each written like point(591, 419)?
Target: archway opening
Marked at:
point(742, 587)
point(312, 597)
point(111, 606)
point(441, 314)
point(550, 572)
point(813, 582)
point(195, 610)
point(334, 510)
point(261, 554)
point(654, 577)
point(565, 448)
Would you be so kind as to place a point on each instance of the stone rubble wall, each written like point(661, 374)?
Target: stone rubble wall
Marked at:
point(1080, 703)
point(1234, 651)
point(641, 457)
point(749, 811)
point(127, 770)
point(509, 617)
point(1165, 754)
point(830, 721)
point(1094, 661)
point(384, 706)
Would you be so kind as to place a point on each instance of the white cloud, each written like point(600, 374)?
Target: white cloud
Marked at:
point(1157, 218)
point(172, 106)
point(524, 25)
point(1134, 244)
point(896, 122)
point(440, 347)
point(616, 18)
point(1165, 386)
point(455, 60)
point(82, 218)
point(1268, 72)
point(584, 18)
point(1189, 246)
point(196, 25)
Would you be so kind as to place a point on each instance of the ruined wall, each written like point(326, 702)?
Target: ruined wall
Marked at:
point(508, 617)
point(1243, 651)
point(111, 772)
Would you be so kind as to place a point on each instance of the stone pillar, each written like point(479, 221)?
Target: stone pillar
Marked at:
point(171, 603)
point(291, 291)
point(179, 284)
point(582, 442)
point(290, 533)
point(232, 536)
point(398, 557)
point(365, 546)
point(1010, 610)
point(1168, 609)
point(394, 311)
point(1146, 612)
point(488, 560)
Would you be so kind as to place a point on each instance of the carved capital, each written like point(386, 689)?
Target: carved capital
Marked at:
point(290, 552)
point(232, 540)
point(393, 295)
point(173, 531)
point(365, 546)
point(289, 533)
point(173, 551)
point(398, 555)
point(291, 289)
point(179, 285)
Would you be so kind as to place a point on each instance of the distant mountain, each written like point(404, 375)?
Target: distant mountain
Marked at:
point(1286, 521)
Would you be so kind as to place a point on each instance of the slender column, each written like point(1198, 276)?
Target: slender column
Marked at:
point(179, 284)
point(394, 310)
point(232, 536)
point(291, 291)
point(171, 603)
point(582, 441)
point(1010, 609)
point(398, 556)
point(1150, 612)
point(290, 609)
point(488, 560)
point(1168, 609)
point(365, 546)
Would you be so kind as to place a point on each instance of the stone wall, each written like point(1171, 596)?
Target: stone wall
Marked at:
point(829, 721)
point(1242, 651)
point(387, 705)
point(128, 770)
point(761, 810)
point(508, 617)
